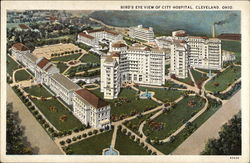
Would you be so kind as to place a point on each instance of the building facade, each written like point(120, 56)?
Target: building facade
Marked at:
point(87, 39)
point(63, 87)
point(139, 32)
point(90, 109)
point(137, 64)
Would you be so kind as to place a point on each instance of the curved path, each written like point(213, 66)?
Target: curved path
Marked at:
point(35, 134)
point(196, 142)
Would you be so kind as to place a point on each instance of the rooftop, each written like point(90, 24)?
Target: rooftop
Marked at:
point(43, 62)
point(23, 26)
point(91, 98)
point(20, 47)
point(65, 82)
point(118, 44)
point(86, 35)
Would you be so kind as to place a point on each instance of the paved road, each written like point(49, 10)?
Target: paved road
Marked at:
point(35, 134)
point(195, 144)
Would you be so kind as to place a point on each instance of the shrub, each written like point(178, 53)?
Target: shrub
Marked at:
point(69, 132)
point(32, 108)
point(46, 125)
point(51, 129)
point(133, 137)
point(35, 112)
point(68, 140)
point(153, 153)
point(149, 151)
point(119, 127)
point(140, 135)
point(129, 133)
point(74, 138)
point(90, 133)
point(101, 130)
point(60, 134)
point(124, 130)
point(84, 135)
point(95, 131)
point(146, 147)
point(141, 144)
point(54, 134)
point(79, 136)
point(76, 130)
point(62, 142)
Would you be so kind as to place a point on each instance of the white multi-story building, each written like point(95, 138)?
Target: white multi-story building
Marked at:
point(139, 32)
point(205, 53)
point(44, 70)
point(104, 34)
point(87, 39)
point(179, 59)
point(228, 56)
point(200, 52)
point(110, 75)
point(23, 55)
point(138, 64)
point(90, 109)
point(63, 87)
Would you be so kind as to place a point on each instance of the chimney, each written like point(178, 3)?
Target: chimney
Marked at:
point(213, 31)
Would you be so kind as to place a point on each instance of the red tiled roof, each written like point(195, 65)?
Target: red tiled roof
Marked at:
point(115, 54)
point(91, 98)
point(23, 26)
point(95, 30)
point(111, 32)
point(20, 47)
point(86, 35)
point(118, 45)
point(43, 63)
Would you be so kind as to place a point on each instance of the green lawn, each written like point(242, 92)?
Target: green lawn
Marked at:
point(169, 147)
point(127, 102)
point(93, 145)
point(62, 66)
point(38, 91)
point(171, 84)
point(81, 68)
point(22, 75)
point(126, 146)
point(207, 71)
point(90, 58)
point(11, 65)
point(234, 46)
point(66, 58)
point(175, 118)
point(224, 79)
point(187, 80)
point(163, 94)
point(54, 116)
point(134, 124)
point(199, 77)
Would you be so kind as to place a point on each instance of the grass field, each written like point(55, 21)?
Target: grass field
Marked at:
point(11, 65)
point(126, 146)
point(224, 79)
point(187, 80)
point(234, 46)
point(175, 118)
point(62, 66)
point(93, 145)
point(22, 75)
point(169, 147)
point(90, 58)
point(121, 106)
point(171, 84)
point(38, 91)
point(199, 77)
point(164, 94)
point(66, 58)
point(54, 116)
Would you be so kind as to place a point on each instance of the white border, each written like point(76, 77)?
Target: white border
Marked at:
point(243, 6)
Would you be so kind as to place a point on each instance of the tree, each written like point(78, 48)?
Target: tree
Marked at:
point(14, 134)
point(229, 141)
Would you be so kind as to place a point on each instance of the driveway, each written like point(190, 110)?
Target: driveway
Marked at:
point(196, 142)
point(34, 132)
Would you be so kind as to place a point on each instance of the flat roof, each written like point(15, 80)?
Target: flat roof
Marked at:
point(65, 82)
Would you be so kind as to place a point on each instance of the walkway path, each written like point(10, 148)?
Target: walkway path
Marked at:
point(195, 143)
point(35, 134)
point(228, 88)
point(189, 87)
point(114, 136)
point(192, 78)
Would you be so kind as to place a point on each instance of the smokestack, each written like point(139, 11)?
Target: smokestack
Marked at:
point(213, 31)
